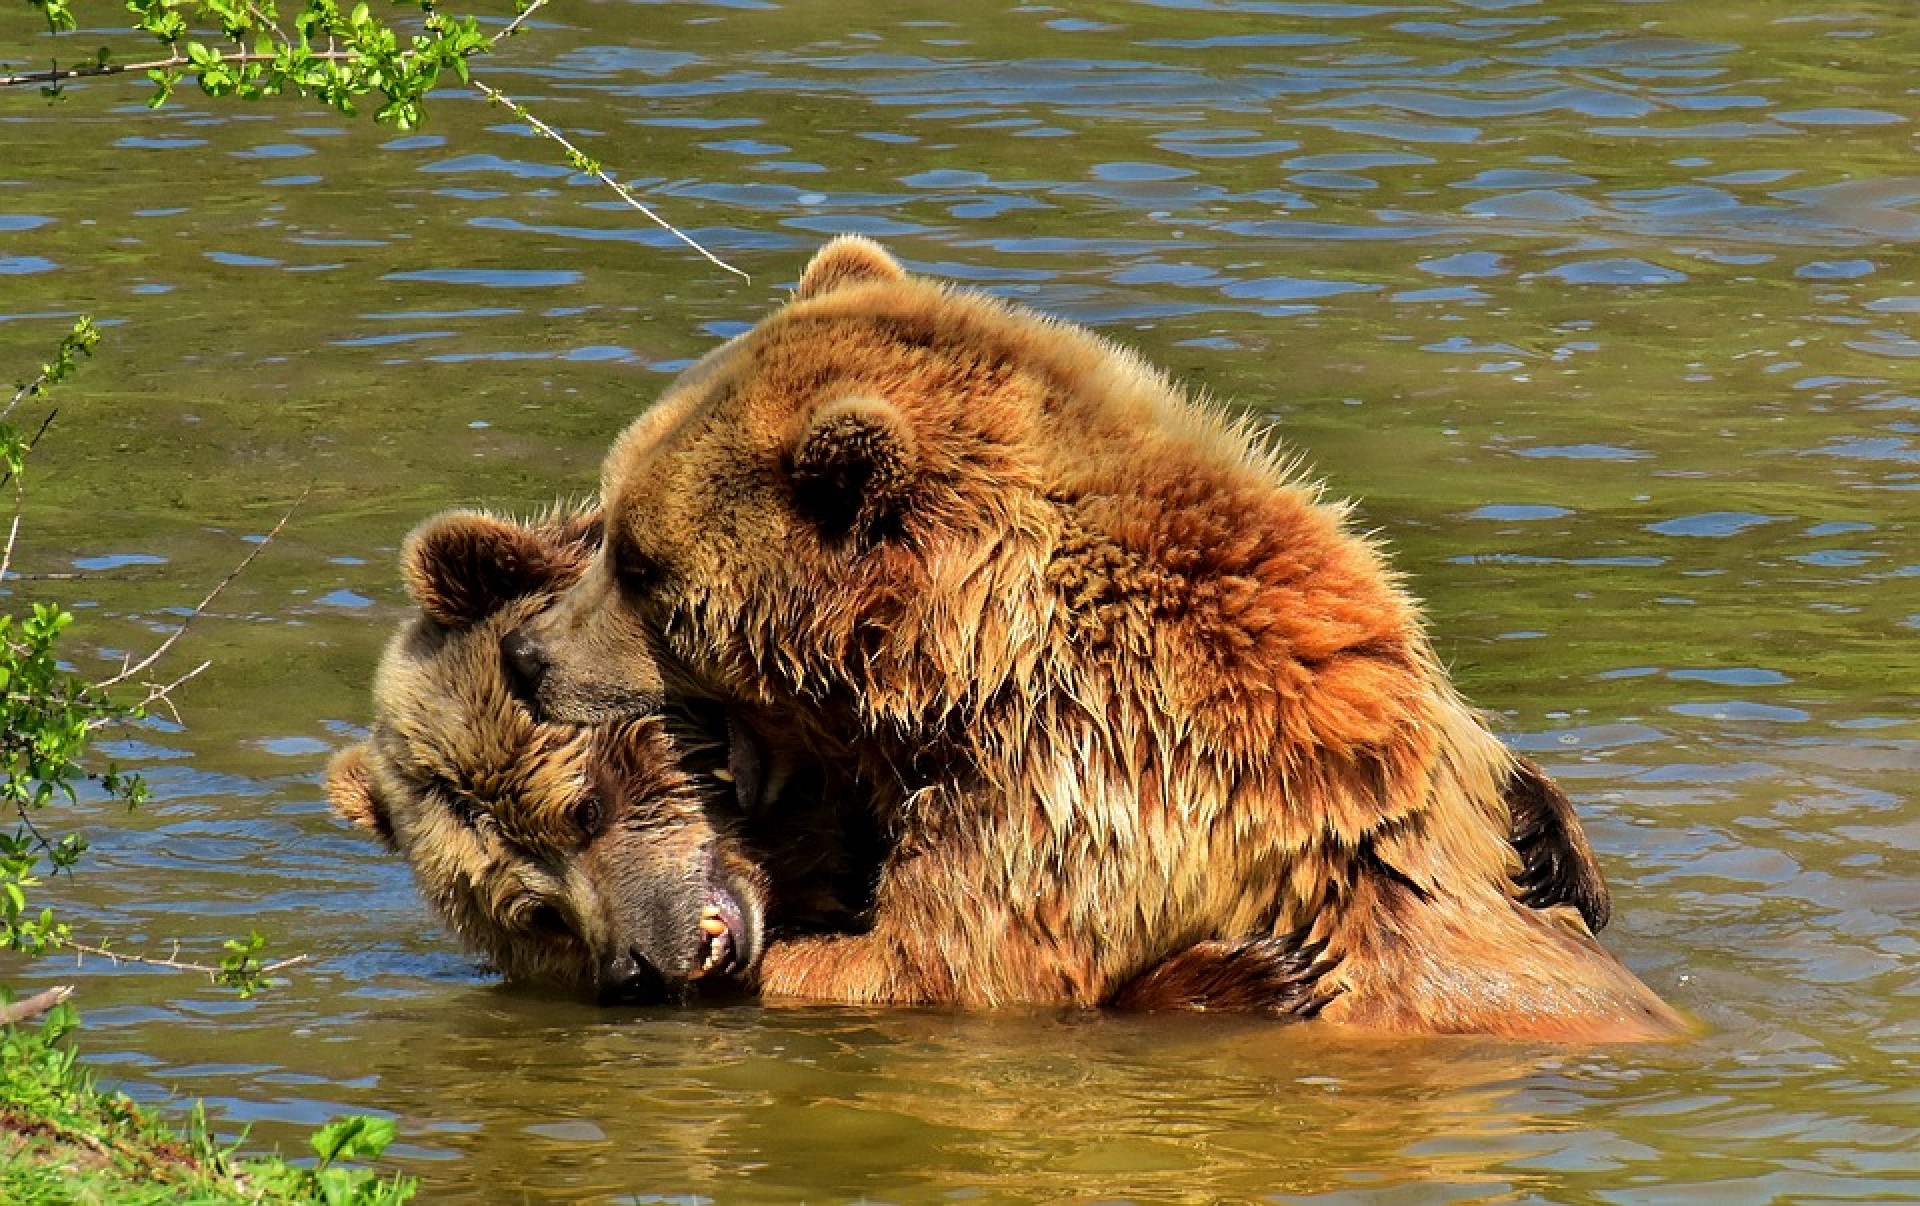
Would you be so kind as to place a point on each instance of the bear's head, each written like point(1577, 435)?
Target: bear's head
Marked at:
point(847, 502)
point(599, 859)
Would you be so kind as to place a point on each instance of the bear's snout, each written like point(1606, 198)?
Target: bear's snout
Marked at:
point(526, 663)
point(630, 978)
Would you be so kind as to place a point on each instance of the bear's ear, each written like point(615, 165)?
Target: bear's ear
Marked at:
point(848, 260)
point(854, 464)
point(355, 798)
point(462, 566)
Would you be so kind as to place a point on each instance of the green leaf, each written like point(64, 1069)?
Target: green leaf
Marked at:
point(59, 1022)
point(354, 1137)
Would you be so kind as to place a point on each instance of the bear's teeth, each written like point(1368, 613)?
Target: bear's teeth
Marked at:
point(713, 925)
point(723, 774)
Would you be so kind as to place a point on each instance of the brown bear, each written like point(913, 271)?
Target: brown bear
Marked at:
point(577, 857)
point(1144, 717)
point(606, 860)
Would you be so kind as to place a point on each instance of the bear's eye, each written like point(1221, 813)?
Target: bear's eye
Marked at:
point(543, 919)
point(635, 571)
point(637, 574)
point(589, 815)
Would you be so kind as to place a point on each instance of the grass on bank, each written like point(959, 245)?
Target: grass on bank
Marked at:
point(65, 1140)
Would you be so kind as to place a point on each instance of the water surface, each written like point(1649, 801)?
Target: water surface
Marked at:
point(1605, 313)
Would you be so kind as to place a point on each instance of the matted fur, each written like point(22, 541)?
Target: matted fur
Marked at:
point(1127, 689)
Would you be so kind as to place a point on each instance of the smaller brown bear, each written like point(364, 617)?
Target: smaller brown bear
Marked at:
point(602, 859)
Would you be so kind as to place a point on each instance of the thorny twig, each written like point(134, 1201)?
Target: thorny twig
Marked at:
point(130, 668)
point(157, 693)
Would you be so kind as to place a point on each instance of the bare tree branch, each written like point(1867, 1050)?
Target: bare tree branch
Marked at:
point(6, 556)
point(588, 166)
point(34, 1006)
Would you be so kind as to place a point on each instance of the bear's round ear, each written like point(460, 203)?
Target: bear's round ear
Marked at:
point(854, 464)
point(462, 566)
point(354, 796)
point(847, 260)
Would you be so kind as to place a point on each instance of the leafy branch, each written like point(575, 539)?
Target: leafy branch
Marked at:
point(47, 716)
point(339, 55)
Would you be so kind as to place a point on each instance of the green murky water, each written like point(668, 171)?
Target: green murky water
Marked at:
point(1607, 312)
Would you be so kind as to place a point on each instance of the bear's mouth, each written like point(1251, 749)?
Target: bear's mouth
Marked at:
point(729, 933)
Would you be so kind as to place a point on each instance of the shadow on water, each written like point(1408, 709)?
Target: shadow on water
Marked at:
point(1605, 313)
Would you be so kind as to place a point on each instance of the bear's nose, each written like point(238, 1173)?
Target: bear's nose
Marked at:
point(526, 662)
point(630, 979)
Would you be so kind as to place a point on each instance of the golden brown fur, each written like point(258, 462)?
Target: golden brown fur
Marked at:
point(583, 858)
point(1128, 691)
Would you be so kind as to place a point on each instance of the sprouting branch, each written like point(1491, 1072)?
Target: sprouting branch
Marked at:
point(77, 343)
point(57, 75)
point(48, 714)
point(40, 840)
point(173, 962)
point(27, 446)
point(513, 26)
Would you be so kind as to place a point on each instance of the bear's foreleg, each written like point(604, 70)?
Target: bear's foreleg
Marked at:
point(860, 969)
point(945, 930)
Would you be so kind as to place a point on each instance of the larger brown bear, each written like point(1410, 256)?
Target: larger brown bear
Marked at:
point(1127, 692)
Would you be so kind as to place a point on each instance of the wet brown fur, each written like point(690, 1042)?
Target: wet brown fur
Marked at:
point(1127, 688)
